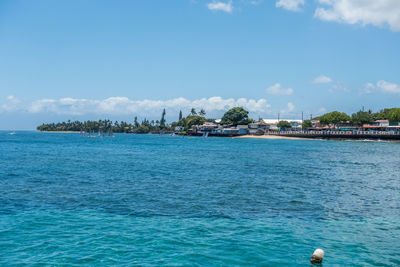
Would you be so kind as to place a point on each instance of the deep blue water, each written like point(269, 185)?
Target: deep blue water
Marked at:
point(151, 200)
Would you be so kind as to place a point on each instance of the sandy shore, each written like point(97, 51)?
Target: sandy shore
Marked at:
point(272, 137)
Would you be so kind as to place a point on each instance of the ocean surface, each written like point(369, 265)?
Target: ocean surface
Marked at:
point(149, 200)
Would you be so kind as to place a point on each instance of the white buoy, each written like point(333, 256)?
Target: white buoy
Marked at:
point(317, 256)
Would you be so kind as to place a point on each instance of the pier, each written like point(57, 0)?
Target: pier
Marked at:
point(376, 135)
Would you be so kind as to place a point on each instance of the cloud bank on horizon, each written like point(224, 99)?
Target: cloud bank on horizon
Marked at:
point(126, 106)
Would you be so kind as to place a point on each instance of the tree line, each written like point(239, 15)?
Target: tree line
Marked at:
point(234, 116)
point(145, 126)
point(356, 119)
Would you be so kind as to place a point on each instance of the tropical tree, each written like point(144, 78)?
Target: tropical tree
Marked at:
point(382, 115)
point(193, 112)
point(306, 124)
point(202, 113)
point(394, 114)
point(235, 116)
point(162, 121)
point(284, 124)
point(143, 129)
point(180, 115)
point(360, 118)
point(182, 122)
point(194, 120)
point(334, 118)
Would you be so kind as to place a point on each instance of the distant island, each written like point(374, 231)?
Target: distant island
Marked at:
point(236, 122)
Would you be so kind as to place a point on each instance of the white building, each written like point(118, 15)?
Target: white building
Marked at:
point(274, 123)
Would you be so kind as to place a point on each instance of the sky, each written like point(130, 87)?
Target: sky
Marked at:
point(96, 59)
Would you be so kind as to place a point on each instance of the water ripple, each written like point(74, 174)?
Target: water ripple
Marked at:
point(150, 200)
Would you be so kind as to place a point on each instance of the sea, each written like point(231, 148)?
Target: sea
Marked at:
point(151, 200)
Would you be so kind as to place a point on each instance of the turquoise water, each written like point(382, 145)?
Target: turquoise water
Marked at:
point(149, 201)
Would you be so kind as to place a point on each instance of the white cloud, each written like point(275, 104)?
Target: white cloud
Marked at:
point(368, 88)
point(255, 2)
point(388, 87)
point(338, 87)
point(290, 106)
point(221, 6)
point(126, 106)
point(374, 12)
point(11, 104)
point(383, 86)
point(322, 79)
point(326, 2)
point(12, 99)
point(292, 5)
point(277, 89)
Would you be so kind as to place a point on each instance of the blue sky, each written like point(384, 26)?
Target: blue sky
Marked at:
point(86, 59)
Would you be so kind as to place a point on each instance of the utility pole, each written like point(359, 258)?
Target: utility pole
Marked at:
point(302, 118)
point(278, 117)
point(310, 117)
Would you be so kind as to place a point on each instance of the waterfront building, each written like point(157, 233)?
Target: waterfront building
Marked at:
point(179, 129)
point(381, 123)
point(208, 126)
point(315, 123)
point(273, 123)
point(258, 128)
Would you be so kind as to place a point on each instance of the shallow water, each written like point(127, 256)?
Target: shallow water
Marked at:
point(151, 200)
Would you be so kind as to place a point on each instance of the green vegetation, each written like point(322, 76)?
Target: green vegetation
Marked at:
point(382, 115)
point(284, 124)
point(106, 125)
point(236, 116)
point(145, 126)
point(394, 114)
point(162, 121)
point(334, 118)
point(306, 124)
point(360, 118)
point(191, 120)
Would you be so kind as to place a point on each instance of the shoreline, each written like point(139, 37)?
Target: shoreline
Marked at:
point(248, 136)
point(271, 137)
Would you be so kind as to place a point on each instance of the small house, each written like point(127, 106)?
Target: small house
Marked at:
point(381, 123)
point(179, 129)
